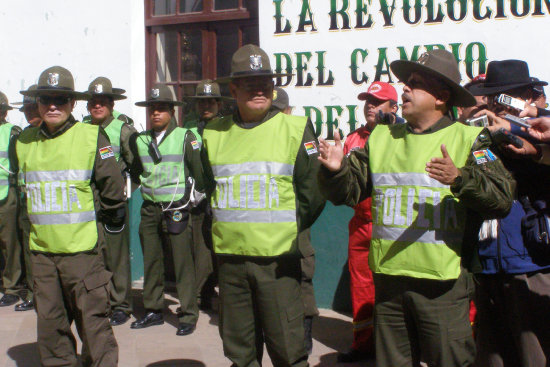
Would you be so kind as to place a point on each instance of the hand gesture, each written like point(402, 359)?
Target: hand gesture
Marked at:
point(527, 150)
point(442, 169)
point(540, 128)
point(495, 122)
point(331, 156)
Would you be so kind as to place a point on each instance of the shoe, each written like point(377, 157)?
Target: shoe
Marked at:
point(353, 355)
point(118, 317)
point(150, 319)
point(24, 306)
point(308, 340)
point(185, 329)
point(8, 300)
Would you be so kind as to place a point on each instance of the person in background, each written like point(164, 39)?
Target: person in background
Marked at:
point(466, 113)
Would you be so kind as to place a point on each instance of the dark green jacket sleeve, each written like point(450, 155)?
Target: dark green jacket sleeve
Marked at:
point(193, 161)
point(351, 184)
point(126, 153)
point(109, 185)
point(485, 187)
point(309, 198)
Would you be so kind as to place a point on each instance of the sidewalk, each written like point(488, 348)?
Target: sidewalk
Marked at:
point(159, 346)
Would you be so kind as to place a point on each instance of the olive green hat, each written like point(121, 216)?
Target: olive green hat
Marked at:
point(247, 61)
point(442, 65)
point(160, 93)
point(55, 79)
point(207, 89)
point(4, 104)
point(102, 86)
point(27, 100)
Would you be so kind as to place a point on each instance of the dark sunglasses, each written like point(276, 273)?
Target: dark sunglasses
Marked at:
point(55, 100)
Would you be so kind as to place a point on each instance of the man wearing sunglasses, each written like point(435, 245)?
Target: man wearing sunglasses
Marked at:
point(73, 184)
point(514, 284)
point(102, 97)
point(424, 178)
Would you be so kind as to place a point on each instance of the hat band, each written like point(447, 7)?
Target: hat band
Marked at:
point(52, 87)
point(251, 73)
point(505, 84)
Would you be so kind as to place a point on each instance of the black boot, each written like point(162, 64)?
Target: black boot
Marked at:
point(308, 340)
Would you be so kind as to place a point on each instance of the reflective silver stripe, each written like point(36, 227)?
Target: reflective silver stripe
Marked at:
point(4, 182)
point(269, 168)
point(66, 175)
point(255, 216)
point(65, 218)
point(405, 179)
point(3, 154)
point(174, 158)
point(163, 191)
point(438, 237)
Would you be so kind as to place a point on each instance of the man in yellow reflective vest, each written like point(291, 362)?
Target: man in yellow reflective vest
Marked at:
point(9, 203)
point(262, 167)
point(168, 165)
point(73, 184)
point(116, 251)
point(431, 180)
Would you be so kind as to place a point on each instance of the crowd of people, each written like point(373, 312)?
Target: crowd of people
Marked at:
point(449, 246)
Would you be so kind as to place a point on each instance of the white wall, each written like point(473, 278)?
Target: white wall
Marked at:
point(90, 38)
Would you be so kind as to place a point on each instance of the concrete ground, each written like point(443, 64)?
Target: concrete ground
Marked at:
point(159, 346)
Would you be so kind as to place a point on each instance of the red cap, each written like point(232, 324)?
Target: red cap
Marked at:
point(380, 90)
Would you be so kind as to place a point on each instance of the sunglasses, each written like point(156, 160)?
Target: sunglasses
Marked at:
point(55, 100)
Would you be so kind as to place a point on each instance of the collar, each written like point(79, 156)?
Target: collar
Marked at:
point(439, 125)
point(66, 126)
point(171, 127)
point(249, 125)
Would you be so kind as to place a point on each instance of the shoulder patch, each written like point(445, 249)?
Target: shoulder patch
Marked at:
point(484, 156)
point(106, 152)
point(196, 145)
point(311, 147)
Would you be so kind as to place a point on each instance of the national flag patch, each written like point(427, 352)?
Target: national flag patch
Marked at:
point(106, 152)
point(311, 148)
point(195, 145)
point(484, 156)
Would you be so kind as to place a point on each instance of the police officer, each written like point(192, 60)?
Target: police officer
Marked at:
point(425, 178)
point(73, 184)
point(9, 241)
point(281, 102)
point(117, 245)
point(208, 105)
point(263, 164)
point(169, 168)
point(117, 92)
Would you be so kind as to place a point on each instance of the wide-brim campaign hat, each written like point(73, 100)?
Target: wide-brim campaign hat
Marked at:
point(248, 61)
point(442, 65)
point(27, 100)
point(208, 89)
point(57, 80)
point(160, 94)
point(102, 86)
point(505, 75)
point(4, 103)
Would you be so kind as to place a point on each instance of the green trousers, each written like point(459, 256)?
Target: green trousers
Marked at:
point(259, 295)
point(73, 288)
point(24, 231)
point(308, 270)
point(152, 231)
point(202, 255)
point(116, 254)
point(422, 320)
point(9, 242)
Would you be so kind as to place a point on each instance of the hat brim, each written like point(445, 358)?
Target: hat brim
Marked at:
point(248, 74)
point(363, 97)
point(482, 90)
point(151, 102)
point(402, 69)
point(114, 96)
point(209, 97)
point(72, 93)
point(5, 107)
point(119, 90)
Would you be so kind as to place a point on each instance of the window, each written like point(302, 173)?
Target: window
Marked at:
point(191, 40)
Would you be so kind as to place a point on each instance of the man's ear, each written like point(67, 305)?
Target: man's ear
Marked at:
point(442, 98)
point(73, 103)
point(3, 114)
point(394, 108)
point(233, 90)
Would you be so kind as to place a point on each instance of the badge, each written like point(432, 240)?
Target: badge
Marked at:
point(177, 216)
point(311, 148)
point(208, 89)
point(53, 79)
point(98, 88)
point(374, 88)
point(423, 58)
point(484, 156)
point(195, 145)
point(106, 152)
point(155, 93)
point(255, 62)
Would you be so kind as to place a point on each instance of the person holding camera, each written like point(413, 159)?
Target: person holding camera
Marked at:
point(424, 178)
point(168, 166)
point(513, 292)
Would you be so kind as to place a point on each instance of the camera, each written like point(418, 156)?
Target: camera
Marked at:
point(481, 121)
